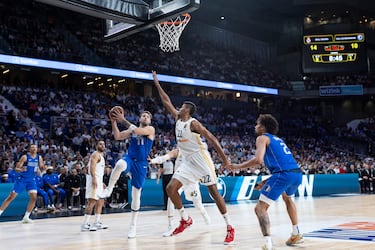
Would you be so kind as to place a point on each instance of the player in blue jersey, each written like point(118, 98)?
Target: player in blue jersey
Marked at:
point(25, 179)
point(286, 176)
point(135, 161)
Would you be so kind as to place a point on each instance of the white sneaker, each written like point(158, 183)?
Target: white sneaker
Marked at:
point(87, 227)
point(100, 225)
point(27, 220)
point(132, 231)
point(169, 232)
point(206, 218)
point(265, 247)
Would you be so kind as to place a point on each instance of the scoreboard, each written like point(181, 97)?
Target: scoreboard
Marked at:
point(334, 53)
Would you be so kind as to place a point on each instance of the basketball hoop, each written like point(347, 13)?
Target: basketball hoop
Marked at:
point(170, 32)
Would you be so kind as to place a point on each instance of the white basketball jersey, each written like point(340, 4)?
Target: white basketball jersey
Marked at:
point(99, 170)
point(188, 142)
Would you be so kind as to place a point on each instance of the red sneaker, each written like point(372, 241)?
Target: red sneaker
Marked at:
point(183, 225)
point(229, 239)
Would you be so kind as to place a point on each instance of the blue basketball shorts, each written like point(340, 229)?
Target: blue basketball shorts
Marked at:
point(21, 184)
point(138, 171)
point(279, 183)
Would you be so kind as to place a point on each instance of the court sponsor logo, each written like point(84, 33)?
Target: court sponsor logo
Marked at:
point(363, 231)
point(245, 185)
point(245, 191)
point(307, 185)
point(221, 187)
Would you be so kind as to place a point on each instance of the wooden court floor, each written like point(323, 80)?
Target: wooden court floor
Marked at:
point(315, 214)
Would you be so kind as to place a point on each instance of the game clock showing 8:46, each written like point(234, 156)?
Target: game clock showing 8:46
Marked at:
point(334, 53)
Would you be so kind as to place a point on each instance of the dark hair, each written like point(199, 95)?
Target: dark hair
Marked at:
point(191, 106)
point(269, 122)
point(147, 112)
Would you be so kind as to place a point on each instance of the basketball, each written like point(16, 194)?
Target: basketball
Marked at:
point(115, 111)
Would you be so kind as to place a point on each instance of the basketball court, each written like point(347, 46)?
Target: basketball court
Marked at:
point(342, 222)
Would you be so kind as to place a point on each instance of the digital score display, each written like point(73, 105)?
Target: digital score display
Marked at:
point(334, 53)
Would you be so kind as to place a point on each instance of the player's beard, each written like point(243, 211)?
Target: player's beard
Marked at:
point(144, 124)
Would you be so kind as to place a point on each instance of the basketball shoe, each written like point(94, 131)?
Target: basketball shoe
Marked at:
point(294, 239)
point(27, 220)
point(169, 232)
point(132, 231)
point(184, 224)
point(265, 247)
point(87, 227)
point(100, 225)
point(229, 239)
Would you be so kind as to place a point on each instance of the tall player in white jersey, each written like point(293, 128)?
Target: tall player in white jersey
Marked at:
point(197, 165)
point(191, 191)
point(94, 188)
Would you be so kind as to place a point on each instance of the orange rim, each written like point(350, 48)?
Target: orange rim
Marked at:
point(185, 20)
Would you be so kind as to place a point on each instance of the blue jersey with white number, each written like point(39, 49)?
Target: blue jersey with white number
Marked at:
point(31, 164)
point(278, 156)
point(140, 147)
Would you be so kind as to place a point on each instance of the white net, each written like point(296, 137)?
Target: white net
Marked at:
point(170, 32)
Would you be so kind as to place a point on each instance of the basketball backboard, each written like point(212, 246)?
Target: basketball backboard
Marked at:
point(127, 17)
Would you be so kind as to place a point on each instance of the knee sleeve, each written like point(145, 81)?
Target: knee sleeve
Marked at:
point(170, 208)
point(136, 199)
point(191, 192)
point(120, 166)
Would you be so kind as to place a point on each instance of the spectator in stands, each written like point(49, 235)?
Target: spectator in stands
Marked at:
point(11, 175)
point(120, 191)
point(82, 172)
point(42, 192)
point(52, 184)
point(72, 187)
point(4, 178)
point(366, 178)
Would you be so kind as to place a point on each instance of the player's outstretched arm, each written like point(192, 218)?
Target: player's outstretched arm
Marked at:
point(164, 97)
point(261, 144)
point(163, 158)
point(197, 127)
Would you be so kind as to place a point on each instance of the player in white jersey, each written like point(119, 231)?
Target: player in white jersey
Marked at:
point(94, 188)
point(192, 191)
point(198, 164)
